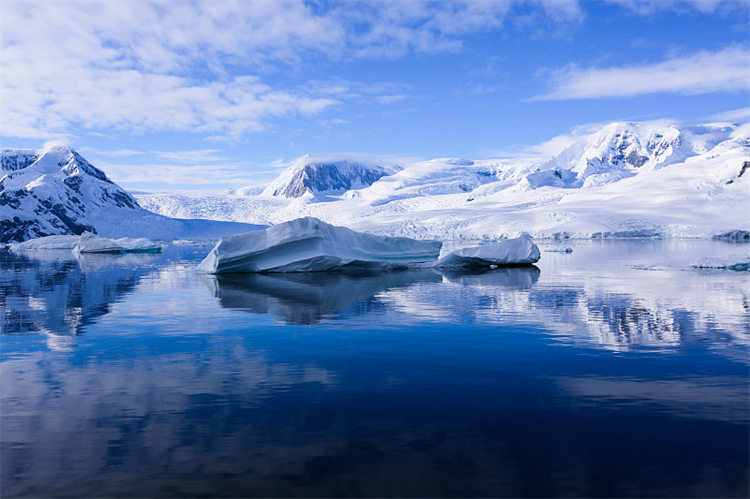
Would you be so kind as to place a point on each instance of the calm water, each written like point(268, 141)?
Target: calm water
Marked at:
point(613, 371)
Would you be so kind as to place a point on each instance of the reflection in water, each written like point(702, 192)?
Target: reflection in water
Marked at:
point(714, 398)
point(54, 293)
point(418, 383)
point(307, 298)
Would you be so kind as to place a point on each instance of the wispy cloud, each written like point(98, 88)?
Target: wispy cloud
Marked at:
point(391, 99)
point(207, 176)
point(115, 153)
point(741, 115)
point(197, 156)
point(726, 70)
point(647, 7)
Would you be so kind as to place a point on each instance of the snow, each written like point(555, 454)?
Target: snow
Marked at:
point(653, 179)
point(510, 252)
point(731, 262)
point(91, 243)
point(312, 175)
point(47, 243)
point(55, 191)
point(733, 235)
point(309, 245)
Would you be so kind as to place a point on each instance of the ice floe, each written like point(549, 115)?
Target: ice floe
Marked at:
point(731, 262)
point(91, 243)
point(47, 243)
point(519, 251)
point(564, 249)
point(310, 245)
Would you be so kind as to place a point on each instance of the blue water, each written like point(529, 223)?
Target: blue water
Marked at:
point(612, 371)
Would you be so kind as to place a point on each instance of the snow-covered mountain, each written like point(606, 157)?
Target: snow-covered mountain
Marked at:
point(625, 179)
point(56, 191)
point(313, 175)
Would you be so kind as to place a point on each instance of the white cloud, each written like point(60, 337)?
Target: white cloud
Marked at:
point(145, 66)
point(390, 99)
point(741, 115)
point(208, 176)
point(197, 156)
point(726, 70)
point(193, 66)
point(115, 153)
point(647, 7)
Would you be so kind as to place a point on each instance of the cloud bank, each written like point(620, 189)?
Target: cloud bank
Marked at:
point(726, 70)
point(144, 66)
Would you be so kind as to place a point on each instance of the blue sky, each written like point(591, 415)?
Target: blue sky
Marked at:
point(209, 95)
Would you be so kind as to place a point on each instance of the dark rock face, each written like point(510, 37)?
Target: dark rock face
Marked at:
point(733, 235)
point(327, 177)
point(9, 163)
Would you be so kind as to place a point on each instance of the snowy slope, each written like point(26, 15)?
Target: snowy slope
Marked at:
point(55, 191)
point(314, 175)
point(626, 179)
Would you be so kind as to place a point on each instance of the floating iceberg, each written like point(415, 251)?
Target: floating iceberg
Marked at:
point(563, 249)
point(731, 262)
point(311, 245)
point(91, 243)
point(47, 243)
point(509, 252)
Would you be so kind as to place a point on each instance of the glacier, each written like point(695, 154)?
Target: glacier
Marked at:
point(661, 179)
point(310, 245)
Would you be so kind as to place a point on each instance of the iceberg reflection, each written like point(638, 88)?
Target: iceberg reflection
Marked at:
point(307, 298)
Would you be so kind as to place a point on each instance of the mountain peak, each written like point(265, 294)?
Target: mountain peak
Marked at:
point(54, 191)
point(312, 175)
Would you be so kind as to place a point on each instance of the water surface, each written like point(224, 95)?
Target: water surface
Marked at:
point(613, 371)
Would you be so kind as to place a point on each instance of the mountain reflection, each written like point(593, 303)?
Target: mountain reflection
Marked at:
point(55, 293)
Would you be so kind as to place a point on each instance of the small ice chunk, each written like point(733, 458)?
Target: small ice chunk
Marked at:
point(563, 249)
point(519, 251)
point(311, 245)
point(91, 243)
point(47, 243)
point(731, 262)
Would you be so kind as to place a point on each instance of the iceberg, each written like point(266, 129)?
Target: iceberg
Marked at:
point(91, 243)
point(311, 245)
point(506, 253)
point(47, 243)
point(563, 249)
point(731, 262)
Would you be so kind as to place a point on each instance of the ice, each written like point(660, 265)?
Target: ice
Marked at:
point(91, 243)
point(47, 243)
point(563, 249)
point(310, 245)
point(731, 262)
point(509, 252)
point(654, 179)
